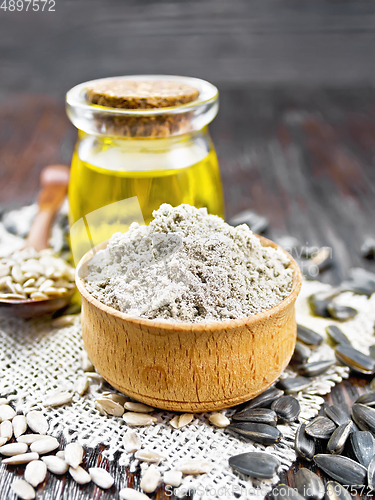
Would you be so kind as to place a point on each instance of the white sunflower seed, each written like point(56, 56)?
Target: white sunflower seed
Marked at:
point(195, 467)
point(151, 479)
point(30, 290)
point(23, 458)
point(131, 441)
point(51, 291)
point(130, 494)
point(4, 270)
point(149, 456)
point(28, 283)
point(173, 477)
point(10, 285)
point(117, 398)
point(6, 413)
point(19, 289)
point(137, 407)
point(33, 276)
point(81, 385)
point(44, 445)
point(30, 438)
point(111, 407)
point(49, 271)
point(180, 421)
point(174, 422)
point(6, 429)
point(79, 475)
point(38, 296)
point(73, 454)
point(95, 376)
point(219, 420)
point(19, 425)
point(62, 321)
point(12, 296)
point(46, 284)
point(55, 464)
point(37, 422)
point(3, 441)
point(85, 362)
point(40, 281)
point(35, 472)
point(23, 489)
point(4, 401)
point(13, 449)
point(101, 477)
point(138, 419)
point(62, 398)
point(61, 454)
point(32, 266)
point(100, 409)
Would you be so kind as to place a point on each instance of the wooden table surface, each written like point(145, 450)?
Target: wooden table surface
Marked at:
point(302, 157)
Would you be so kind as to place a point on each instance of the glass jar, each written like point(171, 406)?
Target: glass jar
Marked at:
point(162, 155)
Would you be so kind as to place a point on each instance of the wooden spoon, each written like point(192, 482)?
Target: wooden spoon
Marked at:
point(54, 180)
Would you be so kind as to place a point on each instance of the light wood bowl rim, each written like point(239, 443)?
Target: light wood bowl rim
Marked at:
point(193, 327)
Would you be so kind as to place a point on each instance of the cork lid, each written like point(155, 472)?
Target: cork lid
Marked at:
point(140, 94)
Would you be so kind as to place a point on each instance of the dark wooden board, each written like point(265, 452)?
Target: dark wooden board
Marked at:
point(303, 157)
point(228, 42)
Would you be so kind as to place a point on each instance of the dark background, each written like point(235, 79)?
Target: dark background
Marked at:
point(228, 42)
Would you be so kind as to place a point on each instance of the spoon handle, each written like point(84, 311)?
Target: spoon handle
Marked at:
point(54, 181)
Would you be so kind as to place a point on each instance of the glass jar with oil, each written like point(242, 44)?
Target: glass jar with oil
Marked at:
point(144, 137)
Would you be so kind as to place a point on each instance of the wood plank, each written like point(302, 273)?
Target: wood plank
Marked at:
point(227, 42)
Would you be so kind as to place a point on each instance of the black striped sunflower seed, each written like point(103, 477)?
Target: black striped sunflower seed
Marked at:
point(363, 446)
point(371, 474)
point(356, 360)
point(320, 427)
point(260, 433)
point(309, 485)
point(308, 337)
point(304, 444)
point(336, 414)
point(255, 464)
point(314, 369)
point(364, 417)
point(334, 491)
point(338, 439)
point(342, 469)
point(301, 353)
point(264, 400)
point(367, 399)
point(336, 335)
point(256, 415)
point(287, 408)
point(294, 384)
point(340, 312)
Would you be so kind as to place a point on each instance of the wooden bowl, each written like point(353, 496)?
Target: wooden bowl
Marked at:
point(189, 367)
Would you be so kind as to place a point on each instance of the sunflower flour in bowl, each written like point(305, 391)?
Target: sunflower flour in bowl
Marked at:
point(188, 266)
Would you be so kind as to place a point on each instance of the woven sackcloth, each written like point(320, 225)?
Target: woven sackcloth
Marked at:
point(37, 359)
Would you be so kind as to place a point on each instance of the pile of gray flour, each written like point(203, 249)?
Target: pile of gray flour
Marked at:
point(188, 266)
